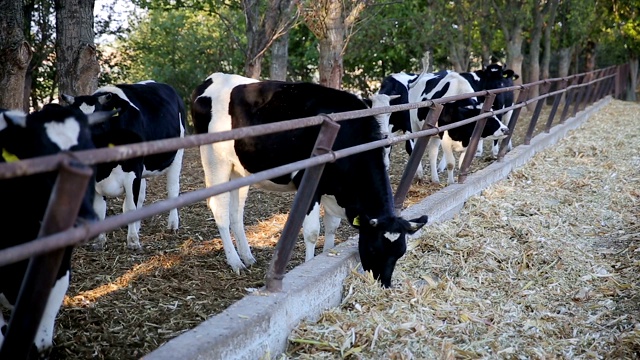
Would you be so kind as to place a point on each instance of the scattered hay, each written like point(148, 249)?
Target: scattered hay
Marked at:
point(544, 264)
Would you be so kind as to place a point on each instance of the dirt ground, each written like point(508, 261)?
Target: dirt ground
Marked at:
point(123, 304)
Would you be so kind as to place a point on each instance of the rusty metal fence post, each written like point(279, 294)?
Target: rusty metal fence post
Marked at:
point(62, 210)
point(522, 96)
point(415, 158)
point(556, 103)
point(544, 89)
point(302, 201)
point(569, 98)
point(475, 138)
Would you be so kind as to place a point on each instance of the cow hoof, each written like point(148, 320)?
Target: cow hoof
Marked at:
point(134, 247)
point(248, 261)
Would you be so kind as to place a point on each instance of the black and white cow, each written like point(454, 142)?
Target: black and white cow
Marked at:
point(355, 188)
point(492, 77)
point(430, 86)
point(148, 111)
point(46, 132)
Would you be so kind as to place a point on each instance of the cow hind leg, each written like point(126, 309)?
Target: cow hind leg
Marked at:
point(217, 170)
point(311, 231)
point(432, 148)
point(238, 198)
point(173, 188)
point(44, 337)
point(451, 163)
point(100, 207)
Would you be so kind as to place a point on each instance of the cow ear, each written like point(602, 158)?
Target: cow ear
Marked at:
point(103, 99)
point(508, 73)
point(100, 116)
point(68, 99)
point(417, 223)
point(516, 76)
point(15, 117)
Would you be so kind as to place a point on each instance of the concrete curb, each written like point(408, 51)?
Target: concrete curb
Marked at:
point(257, 327)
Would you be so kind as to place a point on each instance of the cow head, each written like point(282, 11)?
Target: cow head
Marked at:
point(510, 74)
point(382, 100)
point(46, 132)
point(494, 129)
point(122, 127)
point(383, 241)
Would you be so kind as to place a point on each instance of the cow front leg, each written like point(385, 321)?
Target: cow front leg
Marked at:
point(331, 224)
point(173, 188)
point(480, 148)
point(44, 336)
point(132, 186)
point(311, 231)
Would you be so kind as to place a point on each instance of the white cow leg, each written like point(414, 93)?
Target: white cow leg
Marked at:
point(219, 206)
point(480, 148)
point(100, 207)
point(173, 188)
point(236, 213)
point(142, 195)
point(331, 224)
point(44, 336)
point(432, 148)
point(311, 231)
point(451, 163)
point(133, 239)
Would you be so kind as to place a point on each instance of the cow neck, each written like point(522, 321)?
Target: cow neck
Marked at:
point(367, 190)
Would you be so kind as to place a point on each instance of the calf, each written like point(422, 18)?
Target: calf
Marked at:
point(46, 132)
point(355, 188)
point(147, 111)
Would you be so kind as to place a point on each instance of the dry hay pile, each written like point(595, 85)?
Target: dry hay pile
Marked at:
point(545, 264)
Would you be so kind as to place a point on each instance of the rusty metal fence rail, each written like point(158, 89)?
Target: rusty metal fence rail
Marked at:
point(573, 92)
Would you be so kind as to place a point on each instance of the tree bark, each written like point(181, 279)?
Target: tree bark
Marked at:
point(331, 66)
point(534, 51)
point(279, 58)
point(77, 61)
point(15, 53)
point(633, 81)
point(263, 31)
point(590, 56)
point(546, 55)
point(564, 55)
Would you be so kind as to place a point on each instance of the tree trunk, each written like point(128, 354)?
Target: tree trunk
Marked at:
point(534, 52)
point(633, 81)
point(514, 53)
point(590, 56)
point(546, 55)
point(15, 53)
point(331, 67)
point(564, 62)
point(77, 63)
point(263, 30)
point(279, 58)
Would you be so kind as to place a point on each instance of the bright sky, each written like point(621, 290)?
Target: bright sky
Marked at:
point(122, 10)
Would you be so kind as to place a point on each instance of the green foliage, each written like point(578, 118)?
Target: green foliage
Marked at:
point(181, 48)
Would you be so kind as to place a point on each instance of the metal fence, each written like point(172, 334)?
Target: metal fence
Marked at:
point(572, 93)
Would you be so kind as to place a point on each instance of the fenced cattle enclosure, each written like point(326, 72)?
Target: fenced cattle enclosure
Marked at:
point(581, 90)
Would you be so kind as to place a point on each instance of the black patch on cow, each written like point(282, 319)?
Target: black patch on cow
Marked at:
point(201, 108)
point(25, 199)
point(358, 182)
